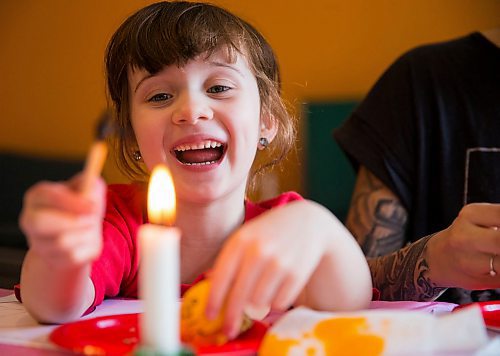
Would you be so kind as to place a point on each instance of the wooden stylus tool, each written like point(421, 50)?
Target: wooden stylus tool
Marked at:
point(97, 153)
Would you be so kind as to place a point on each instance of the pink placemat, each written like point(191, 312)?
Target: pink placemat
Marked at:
point(5, 292)
point(429, 307)
point(17, 350)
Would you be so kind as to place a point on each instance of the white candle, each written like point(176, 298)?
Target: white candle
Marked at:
point(159, 287)
point(159, 267)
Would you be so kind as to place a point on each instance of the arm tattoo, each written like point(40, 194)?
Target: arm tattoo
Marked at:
point(387, 232)
point(403, 275)
point(379, 229)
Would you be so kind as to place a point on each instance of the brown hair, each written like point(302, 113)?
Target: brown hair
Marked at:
point(167, 33)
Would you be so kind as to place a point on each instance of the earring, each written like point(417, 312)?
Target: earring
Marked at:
point(263, 143)
point(137, 155)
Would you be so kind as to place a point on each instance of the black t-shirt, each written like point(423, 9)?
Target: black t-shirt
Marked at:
point(430, 130)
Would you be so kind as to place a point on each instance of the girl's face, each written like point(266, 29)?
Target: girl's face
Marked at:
point(202, 120)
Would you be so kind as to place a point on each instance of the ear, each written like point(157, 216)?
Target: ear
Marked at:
point(268, 127)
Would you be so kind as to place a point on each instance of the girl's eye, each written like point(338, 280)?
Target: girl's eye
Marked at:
point(158, 98)
point(218, 89)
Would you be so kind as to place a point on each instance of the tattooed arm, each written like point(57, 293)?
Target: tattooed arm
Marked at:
point(376, 216)
point(404, 274)
point(378, 221)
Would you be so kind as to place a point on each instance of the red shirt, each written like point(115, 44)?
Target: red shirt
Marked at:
point(114, 274)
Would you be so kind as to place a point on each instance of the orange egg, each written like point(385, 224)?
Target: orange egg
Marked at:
point(195, 328)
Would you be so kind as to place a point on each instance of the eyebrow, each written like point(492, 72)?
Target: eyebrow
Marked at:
point(225, 65)
point(142, 79)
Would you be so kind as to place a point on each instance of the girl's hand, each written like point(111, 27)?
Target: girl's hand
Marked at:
point(270, 259)
point(64, 227)
point(460, 255)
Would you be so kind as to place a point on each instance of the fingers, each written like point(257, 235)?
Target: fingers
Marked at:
point(482, 271)
point(468, 235)
point(94, 191)
point(289, 291)
point(43, 199)
point(62, 225)
point(49, 222)
point(260, 285)
point(486, 240)
point(246, 278)
point(65, 195)
point(247, 273)
point(68, 249)
point(481, 214)
point(460, 256)
point(236, 275)
point(222, 276)
point(268, 284)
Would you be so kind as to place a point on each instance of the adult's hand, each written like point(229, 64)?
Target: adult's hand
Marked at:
point(464, 254)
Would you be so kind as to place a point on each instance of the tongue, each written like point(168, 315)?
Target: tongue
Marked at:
point(199, 156)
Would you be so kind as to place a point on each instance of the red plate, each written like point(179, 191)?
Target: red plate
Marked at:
point(117, 335)
point(491, 313)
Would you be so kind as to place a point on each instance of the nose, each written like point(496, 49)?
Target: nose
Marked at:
point(190, 108)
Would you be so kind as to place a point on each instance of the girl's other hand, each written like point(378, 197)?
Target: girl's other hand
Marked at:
point(64, 227)
point(270, 259)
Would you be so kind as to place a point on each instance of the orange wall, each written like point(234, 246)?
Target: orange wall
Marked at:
point(51, 76)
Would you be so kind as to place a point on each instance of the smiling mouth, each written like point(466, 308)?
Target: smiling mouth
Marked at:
point(203, 153)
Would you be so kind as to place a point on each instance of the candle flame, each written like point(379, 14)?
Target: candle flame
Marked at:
point(161, 197)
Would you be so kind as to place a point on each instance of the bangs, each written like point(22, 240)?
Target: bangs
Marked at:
point(177, 34)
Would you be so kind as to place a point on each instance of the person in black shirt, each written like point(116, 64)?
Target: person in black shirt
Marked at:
point(426, 144)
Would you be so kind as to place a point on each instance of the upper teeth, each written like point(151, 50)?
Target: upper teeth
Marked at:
point(199, 146)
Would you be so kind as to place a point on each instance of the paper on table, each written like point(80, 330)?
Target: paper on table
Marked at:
point(371, 332)
point(19, 328)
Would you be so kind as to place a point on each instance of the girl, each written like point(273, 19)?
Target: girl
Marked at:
point(196, 88)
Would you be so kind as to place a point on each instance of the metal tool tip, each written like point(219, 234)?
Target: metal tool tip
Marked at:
point(104, 126)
